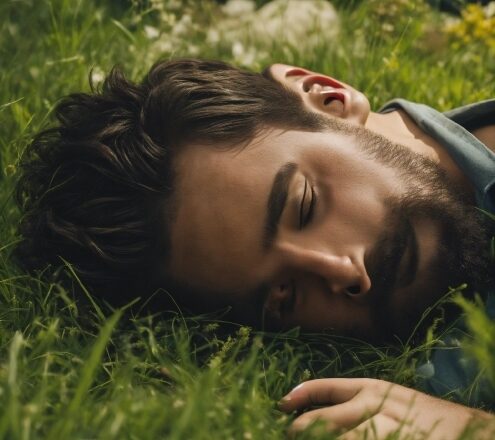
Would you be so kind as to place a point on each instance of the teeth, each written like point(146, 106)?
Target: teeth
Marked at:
point(327, 88)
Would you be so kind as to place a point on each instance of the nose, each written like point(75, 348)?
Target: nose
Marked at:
point(342, 274)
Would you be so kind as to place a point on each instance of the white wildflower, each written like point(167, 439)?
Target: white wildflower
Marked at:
point(151, 32)
point(237, 49)
point(450, 23)
point(179, 403)
point(237, 8)
point(162, 45)
point(168, 19)
point(157, 5)
point(243, 56)
point(291, 23)
point(287, 20)
point(183, 26)
point(213, 36)
point(388, 27)
point(490, 10)
point(193, 50)
point(97, 75)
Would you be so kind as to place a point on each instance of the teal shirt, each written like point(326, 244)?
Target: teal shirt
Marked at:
point(448, 371)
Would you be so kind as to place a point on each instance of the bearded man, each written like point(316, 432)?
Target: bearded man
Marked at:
point(280, 195)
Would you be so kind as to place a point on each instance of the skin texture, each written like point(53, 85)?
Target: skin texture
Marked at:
point(396, 126)
point(375, 217)
point(330, 272)
point(352, 407)
point(355, 406)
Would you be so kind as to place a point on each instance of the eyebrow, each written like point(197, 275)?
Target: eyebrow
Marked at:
point(276, 202)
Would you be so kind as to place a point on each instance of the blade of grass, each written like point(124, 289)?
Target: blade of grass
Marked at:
point(63, 428)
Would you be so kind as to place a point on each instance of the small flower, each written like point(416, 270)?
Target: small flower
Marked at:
point(237, 8)
point(178, 403)
point(97, 75)
point(490, 9)
point(213, 36)
point(151, 32)
point(237, 49)
point(183, 26)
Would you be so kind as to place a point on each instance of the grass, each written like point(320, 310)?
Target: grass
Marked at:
point(74, 371)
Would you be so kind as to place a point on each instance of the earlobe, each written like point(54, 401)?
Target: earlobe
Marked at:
point(335, 98)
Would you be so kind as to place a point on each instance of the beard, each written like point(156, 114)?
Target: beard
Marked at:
point(462, 238)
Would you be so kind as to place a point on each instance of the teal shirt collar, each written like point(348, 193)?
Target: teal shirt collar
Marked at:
point(450, 129)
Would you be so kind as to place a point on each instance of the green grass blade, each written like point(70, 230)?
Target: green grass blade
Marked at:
point(67, 422)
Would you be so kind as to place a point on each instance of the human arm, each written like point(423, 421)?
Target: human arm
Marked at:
point(357, 405)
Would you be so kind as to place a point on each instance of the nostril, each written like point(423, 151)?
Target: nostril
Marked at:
point(354, 290)
point(306, 87)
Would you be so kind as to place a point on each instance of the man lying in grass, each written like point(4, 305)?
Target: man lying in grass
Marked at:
point(280, 195)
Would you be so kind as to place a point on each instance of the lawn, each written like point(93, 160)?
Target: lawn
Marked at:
point(85, 370)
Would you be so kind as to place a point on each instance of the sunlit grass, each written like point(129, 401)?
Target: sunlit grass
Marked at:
point(72, 370)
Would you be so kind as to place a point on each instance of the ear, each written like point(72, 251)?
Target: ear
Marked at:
point(322, 93)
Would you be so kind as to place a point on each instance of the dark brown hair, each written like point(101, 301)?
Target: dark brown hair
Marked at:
point(96, 189)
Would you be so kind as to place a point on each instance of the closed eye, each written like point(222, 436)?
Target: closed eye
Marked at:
point(307, 208)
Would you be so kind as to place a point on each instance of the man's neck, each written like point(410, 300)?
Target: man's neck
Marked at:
point(400, 128)
point(486, 135)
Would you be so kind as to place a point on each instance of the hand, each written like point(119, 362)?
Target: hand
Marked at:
point(381, 408)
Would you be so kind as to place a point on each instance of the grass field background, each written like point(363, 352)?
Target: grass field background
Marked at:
point(87, 372)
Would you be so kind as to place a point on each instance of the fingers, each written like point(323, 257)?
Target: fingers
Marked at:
point(346, 415)
point(378, 427)
point(353, 402)
point(376, 409)
point(322, 392)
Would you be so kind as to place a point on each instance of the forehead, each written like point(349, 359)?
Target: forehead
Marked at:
point(221, 195)
point(221, 203)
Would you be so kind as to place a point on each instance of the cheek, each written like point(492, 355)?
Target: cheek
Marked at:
point(346, 166)
point(350, 212)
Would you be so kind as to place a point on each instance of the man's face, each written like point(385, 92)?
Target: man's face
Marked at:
point(336, 230)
